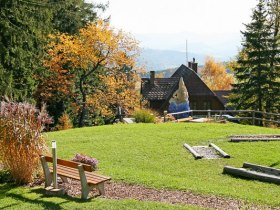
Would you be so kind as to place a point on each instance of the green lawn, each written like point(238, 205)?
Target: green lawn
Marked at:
point(152, 155)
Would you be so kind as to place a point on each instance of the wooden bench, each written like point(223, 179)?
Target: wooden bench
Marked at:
point(79, 171)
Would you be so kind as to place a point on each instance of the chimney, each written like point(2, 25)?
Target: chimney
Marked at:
point(152, 77)
point(193, 65)
point(190, 64)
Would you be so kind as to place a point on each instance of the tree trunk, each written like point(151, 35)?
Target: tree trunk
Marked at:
point(83, 107)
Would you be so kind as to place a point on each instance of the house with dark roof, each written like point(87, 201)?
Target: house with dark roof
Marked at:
point(158, 91)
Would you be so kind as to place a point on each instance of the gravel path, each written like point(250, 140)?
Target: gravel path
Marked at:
point(127, 191)
point(207, 152)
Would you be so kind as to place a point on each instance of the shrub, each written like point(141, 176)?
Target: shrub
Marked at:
point(21, 139)
point(64, 122)
point(87, 160)
point(5, 176)
point(144, 116)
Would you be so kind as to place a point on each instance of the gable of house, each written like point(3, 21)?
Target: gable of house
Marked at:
point(193, 82)
point(158, 91)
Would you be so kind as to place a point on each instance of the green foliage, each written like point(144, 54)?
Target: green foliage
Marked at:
point(144, 116)
point(71, 15)
point(21, 139)
point(257, 70)
point(22, 29)
point(5, 176)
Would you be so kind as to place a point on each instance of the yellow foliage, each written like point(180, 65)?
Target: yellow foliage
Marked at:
point(64, 122)
point(119, 90)
point(74, 59)
point(215, 76)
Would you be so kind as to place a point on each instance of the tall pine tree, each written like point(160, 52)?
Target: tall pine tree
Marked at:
point(253, 72)
point(23, 25)
point(71, 15)
point(273, 98)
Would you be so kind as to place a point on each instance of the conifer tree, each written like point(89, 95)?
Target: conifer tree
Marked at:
point(23, 25)
point(253, 72)
point(273, 98)
point(71, 15)
point(24, 29)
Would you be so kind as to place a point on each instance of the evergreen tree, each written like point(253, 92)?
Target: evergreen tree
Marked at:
point(71, 15)
point(23, 25)
point(253, 72)
point(273, 98)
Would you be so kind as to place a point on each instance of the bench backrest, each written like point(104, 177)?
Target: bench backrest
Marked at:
point(68, 163)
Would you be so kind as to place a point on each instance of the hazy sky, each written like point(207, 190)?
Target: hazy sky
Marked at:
point(208, 23)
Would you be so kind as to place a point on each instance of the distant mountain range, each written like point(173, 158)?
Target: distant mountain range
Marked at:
point(156, 60)
point(163, 51)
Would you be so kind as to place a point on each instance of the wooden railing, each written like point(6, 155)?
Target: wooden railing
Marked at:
point(237, 115)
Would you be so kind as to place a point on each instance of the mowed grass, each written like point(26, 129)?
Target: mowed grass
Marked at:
point(152, 155)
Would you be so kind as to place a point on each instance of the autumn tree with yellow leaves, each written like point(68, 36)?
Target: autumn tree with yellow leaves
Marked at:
point(93, 68)
point(215, 76)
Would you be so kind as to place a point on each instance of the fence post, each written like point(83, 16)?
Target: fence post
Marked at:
point(209, 113)
point(253, 117)
point(164, 115)
point(54, 164)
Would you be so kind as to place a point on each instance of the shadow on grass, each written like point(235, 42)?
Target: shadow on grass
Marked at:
point(275, 164)
point(39, 200)
point(41, 192)
point(44, 204)
point(9, 206)
point(4, 188)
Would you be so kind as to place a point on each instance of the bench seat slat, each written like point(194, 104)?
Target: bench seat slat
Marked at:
point(75, 176)
point(92, 178)
point(88, 174)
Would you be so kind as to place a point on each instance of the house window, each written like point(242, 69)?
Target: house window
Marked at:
point(206, 105)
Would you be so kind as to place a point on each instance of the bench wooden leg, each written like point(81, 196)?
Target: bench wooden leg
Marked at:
point(64, 179)
point(84, 184)
point(85, 192)
point(101, 189)
point(47, 173)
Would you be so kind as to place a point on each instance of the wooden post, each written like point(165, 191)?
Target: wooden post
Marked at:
point(253, 117)
point(209, 113)
point(242, 172)
point(84, 184)
point(265, 169)
point(194, 153)
point(101, 189)
point(47, 173)
point(54, 165)
point(164, 115)
point(219, 150)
